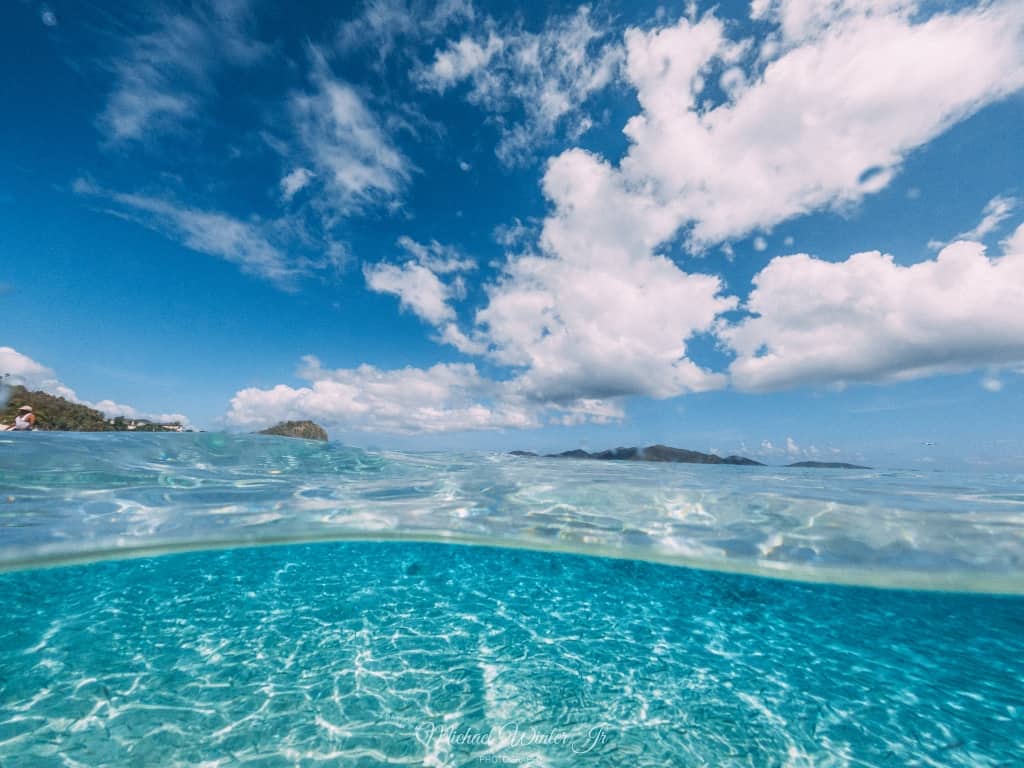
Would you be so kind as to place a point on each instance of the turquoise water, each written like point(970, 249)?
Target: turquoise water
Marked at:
point(894, 637)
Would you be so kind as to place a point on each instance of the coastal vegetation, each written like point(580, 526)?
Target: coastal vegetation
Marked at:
point(55, 413)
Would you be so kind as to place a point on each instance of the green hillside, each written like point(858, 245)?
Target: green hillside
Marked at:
point(56, 413)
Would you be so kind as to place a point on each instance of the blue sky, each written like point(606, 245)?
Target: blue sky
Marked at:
point(785, 228)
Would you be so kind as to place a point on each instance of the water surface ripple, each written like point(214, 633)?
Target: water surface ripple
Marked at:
point(78, 497)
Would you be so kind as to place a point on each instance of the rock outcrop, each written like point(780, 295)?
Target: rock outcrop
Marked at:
point(306, 430)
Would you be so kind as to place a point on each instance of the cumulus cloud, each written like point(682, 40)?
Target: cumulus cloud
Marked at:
point(164, 74)
point(594, 310)
point(596, 313)
point(869, 319)
point(545, 76)
point(348, 147)
point(823, 124)
point(22, 369)
point(1015, 242)
point(419, 287)
point(442, 398)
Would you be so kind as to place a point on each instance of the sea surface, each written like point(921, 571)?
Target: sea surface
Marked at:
point(483, 609)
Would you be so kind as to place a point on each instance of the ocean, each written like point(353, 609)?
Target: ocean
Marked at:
point(202, 599)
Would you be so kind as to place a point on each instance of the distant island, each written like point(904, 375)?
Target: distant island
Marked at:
point(665, 453)
point(827, 465)
point(57, 414)
point(305, 430)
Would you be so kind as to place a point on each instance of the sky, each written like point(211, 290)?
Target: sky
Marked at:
point(789, 229)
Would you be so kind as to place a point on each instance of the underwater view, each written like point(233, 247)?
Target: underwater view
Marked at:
point(551, 639)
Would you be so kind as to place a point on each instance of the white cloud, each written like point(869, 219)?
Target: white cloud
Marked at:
point(452, 397)
point(417, 287)
point(824, 123)
point(383, 23)
point(346, 144)
point(293, 182)
point(23, 370)
point(110, 409)
point(596, 313)
point(513, 235)
point(1015, 242)
point(868, 319)
point(548, 75)
point(760, 244)
point(165, 74)
point(460, 60)
point(997, 210)
point(246, 244)
point(992, 383)
point(420, 289)
point(801, 19)
point(436, 257)
point(787, 451)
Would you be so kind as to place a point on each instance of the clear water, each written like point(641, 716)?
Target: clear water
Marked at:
point(399, 648)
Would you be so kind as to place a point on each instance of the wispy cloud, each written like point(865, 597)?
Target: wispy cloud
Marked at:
point(997, 210)
point(547, 76)
point(295, 181)
point(251, 245)
point(345, 143)
point(163, 75)
point(383, 24)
